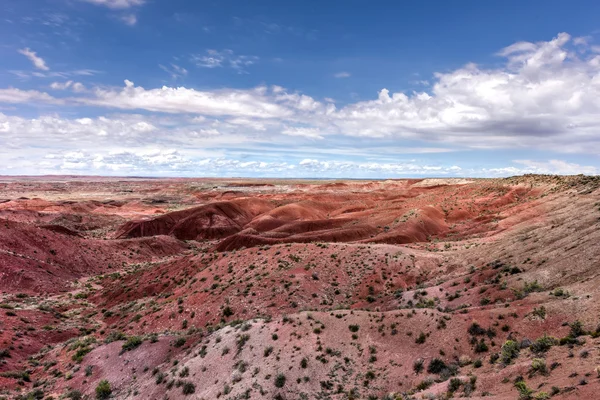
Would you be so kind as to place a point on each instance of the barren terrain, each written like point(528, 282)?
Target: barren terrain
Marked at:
point(134, 288)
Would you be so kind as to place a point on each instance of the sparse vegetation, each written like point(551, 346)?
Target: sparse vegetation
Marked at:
point(237, 318)
point(280, 380)
point(509, 351)
point(103, 390)
point(132, 343)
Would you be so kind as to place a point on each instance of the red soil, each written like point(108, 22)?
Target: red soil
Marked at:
point(346, 275)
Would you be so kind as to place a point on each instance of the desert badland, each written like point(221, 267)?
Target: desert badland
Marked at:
point(136, 288)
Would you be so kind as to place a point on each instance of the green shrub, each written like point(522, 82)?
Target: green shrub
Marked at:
point(103, 390)
point(418, 366)
point(543, 344)
point(74, 395)
point(421, 338)
point(509, 351)
point(454, 385)
point(268, 350)
point(280, 380)
point(188, 388)
point(23, 375)
point(524, 392)
point(241, 342)
point(304, 362)
point(475, 329)
point(80, 353)
point(436, 366)
point(114, 336)
point(132, 343)
point(82, 347)
point(538, 365)
point(425, 384)
point(481, 347)
point(576, 329)
point(534, 286)
point(494, 357)
point(559, 292)
point(540, 312)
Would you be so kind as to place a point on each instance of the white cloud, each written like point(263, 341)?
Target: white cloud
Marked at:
point(136, 144)
point(54, 74)
point(61, 85)
point(309, 133)
point(246, 123)
point(582, 40)
point(558, 167)
point(129, 19)
point(209, 131)
point(76, 87)
point(224, 58)
point(53, 130)
point(116, 4)
point(342, 74)
point(37, 61)
point(546, 96)
point(174, 70)
point(15, 96)
point(244, 103)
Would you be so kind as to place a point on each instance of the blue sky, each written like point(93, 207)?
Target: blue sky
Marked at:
point(350, 89)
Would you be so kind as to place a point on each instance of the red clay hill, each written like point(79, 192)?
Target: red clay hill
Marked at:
point(131, 288)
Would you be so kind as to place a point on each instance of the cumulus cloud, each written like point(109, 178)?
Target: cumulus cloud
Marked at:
point(254, 103)
point(51, 131)
point(74, 86)
point(37, 61)
point(545, 96)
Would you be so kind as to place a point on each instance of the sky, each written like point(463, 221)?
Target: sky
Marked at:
point(318, 89)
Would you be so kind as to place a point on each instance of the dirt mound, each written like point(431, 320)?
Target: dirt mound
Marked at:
point(34, 259)
point(265, 223)
point(429, 222)
point(347, 234)
point(242, 241)
point(60, 229)
point(298, 212)
point(210, 221)
point(311, 226)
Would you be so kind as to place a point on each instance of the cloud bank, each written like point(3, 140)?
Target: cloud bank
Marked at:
point(545, 96)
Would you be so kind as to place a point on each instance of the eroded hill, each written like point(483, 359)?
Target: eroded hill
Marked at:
point(205, 289)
